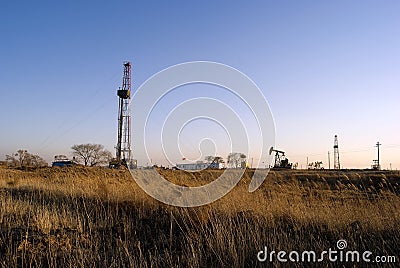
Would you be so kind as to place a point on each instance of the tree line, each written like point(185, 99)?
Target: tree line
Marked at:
point(234, 160)
point(23, 159)
point(88, 154)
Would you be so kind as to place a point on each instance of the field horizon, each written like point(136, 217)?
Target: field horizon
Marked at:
point(99, 217)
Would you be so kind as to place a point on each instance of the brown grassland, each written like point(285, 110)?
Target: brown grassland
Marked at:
point(97, 217)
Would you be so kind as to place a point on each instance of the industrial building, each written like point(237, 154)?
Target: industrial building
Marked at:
point(199, 166)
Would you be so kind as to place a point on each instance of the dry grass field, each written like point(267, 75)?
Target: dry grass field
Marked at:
point(97, 217)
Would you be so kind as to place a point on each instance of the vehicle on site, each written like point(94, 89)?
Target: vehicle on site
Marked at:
point(63, 161)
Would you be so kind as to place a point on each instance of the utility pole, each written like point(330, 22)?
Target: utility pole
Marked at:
point(329, 160)
point(307, 163)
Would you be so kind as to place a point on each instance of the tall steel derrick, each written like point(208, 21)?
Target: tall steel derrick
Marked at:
point(123, 148)
point(336, 160)
point(123, 152)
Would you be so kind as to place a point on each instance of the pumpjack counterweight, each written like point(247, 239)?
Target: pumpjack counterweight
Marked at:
point(280, 159)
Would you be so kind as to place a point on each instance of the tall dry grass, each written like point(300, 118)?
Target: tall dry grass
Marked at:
point(97, 217)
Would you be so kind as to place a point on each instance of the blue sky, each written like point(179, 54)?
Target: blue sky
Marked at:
point(325, 67)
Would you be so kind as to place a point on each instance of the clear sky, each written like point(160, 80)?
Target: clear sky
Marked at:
point(325, 67)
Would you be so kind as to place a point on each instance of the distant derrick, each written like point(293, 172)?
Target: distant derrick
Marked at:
point(336, 161)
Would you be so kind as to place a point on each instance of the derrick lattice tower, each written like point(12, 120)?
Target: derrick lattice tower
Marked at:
point(336, 160)
point(123, 152)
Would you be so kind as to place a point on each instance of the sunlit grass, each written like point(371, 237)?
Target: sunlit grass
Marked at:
point(80, 217)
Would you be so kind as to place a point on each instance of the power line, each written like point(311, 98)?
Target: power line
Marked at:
point(59, 132)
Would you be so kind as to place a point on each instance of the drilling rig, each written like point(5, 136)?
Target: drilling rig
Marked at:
point(123, 148)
